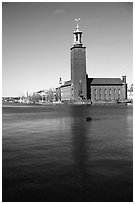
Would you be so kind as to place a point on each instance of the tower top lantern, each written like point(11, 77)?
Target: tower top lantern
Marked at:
point(77, 35)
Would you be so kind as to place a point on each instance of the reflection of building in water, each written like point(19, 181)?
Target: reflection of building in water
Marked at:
point(95, 89)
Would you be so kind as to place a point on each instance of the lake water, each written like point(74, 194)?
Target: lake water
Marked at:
point(67, 153)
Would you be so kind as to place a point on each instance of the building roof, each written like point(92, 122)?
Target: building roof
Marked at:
point(105, 81)
point(66, 83)
point(40, 91)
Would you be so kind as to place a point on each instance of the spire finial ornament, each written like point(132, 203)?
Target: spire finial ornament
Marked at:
point(77, 26)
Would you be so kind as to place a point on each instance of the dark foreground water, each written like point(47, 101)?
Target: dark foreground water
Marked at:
point(67, 153)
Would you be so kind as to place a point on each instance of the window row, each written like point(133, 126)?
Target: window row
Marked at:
point(104, 92)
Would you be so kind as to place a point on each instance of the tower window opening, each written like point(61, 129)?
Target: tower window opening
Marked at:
point(76, 37)
point(80, 38)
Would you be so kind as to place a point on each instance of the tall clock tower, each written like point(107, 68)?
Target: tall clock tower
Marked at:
point(78, 67)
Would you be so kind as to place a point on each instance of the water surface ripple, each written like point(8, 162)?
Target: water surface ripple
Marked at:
point(67, 153)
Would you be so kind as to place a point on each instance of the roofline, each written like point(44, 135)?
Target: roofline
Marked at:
point(66, 85)
point(77, 47)
point(106, 84)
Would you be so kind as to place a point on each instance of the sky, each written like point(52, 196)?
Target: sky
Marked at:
point(37, 37)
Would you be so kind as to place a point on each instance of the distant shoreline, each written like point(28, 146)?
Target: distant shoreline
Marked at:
point(10, 104)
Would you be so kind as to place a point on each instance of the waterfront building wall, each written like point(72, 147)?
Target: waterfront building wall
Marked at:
point(106, 93)
point(66, 93)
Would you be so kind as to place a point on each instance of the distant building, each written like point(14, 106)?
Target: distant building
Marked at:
point(130, 92)
point(80, 87)
point(66, 91)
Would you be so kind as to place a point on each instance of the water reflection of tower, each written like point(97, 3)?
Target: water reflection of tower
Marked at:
point(80, 148)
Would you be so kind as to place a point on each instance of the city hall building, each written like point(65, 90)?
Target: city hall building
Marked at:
point(82, 88)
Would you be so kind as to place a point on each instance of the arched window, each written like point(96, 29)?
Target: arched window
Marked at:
point(114, 92)
point(100, 91)
point(119, 94)
point(110, 93)
point(95, 92)
point(105, 93)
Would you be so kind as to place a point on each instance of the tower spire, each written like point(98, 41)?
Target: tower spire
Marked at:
point(77, 26)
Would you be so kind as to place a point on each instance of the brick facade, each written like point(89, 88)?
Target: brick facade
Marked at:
point(106, 89)
point(106, 93)
point(78, 72)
